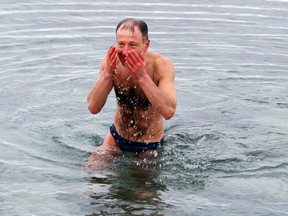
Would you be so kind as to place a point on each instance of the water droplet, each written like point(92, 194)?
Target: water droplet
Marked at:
point(155, 153)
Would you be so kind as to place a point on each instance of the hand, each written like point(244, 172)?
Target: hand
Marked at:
point(136, 64)
point(111, 60)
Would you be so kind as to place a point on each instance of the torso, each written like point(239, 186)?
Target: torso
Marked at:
point(135, 118)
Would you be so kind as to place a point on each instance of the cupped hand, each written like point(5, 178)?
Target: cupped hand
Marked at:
point(111, 60)
point(136, 64)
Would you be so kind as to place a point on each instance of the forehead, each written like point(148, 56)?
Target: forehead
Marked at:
point(128, 34)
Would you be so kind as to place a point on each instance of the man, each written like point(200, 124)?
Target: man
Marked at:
point(143, 82)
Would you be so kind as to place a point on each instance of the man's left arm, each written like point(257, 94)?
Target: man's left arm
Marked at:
point(161, 96)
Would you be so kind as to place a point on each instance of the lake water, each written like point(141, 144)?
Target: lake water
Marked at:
point(226, 147)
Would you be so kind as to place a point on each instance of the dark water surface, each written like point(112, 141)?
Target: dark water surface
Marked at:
point(226, 147)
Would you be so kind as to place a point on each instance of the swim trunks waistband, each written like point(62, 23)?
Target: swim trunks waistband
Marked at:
point(126, 145)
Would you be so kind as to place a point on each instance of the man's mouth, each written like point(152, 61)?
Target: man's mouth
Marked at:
point(122, 59)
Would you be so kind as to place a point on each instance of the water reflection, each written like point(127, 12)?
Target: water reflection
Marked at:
point(128, 185)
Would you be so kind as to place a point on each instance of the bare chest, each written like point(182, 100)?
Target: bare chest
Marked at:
point(127, 90)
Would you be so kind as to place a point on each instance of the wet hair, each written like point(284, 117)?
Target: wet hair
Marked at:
point(130, 24)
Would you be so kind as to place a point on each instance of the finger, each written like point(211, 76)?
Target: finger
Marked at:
point(114, 57)
point(111, 50)
point(139, 57)
point(132, 56)
point(142, 57)
point(129, 59)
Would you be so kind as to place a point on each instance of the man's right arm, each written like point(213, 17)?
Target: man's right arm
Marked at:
point(98, 94)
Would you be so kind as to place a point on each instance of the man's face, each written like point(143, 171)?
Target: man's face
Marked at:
point(127, 41)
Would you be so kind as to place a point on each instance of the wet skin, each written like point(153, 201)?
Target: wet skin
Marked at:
point(143, 82)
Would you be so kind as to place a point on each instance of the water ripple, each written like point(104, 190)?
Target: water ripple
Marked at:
point(225, 144)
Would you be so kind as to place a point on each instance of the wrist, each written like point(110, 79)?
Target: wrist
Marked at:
point(143, 79)
point(107, 75)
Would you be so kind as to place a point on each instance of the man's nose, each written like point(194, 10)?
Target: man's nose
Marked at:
point(125, 50)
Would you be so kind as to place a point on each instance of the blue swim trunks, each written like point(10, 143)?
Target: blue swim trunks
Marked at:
point(126, 145)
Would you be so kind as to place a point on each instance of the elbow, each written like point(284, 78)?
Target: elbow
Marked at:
point(170, 110)
point(93, 109)
point(92, 106)
point(169, 113)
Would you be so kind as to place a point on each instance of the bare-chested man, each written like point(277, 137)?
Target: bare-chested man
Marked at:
point(143, 82)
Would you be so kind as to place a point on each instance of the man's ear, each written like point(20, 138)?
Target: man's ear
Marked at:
point(147, 44)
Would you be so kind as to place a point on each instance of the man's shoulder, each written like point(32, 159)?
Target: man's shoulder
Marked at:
point(159, 59)
point(163, 67)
